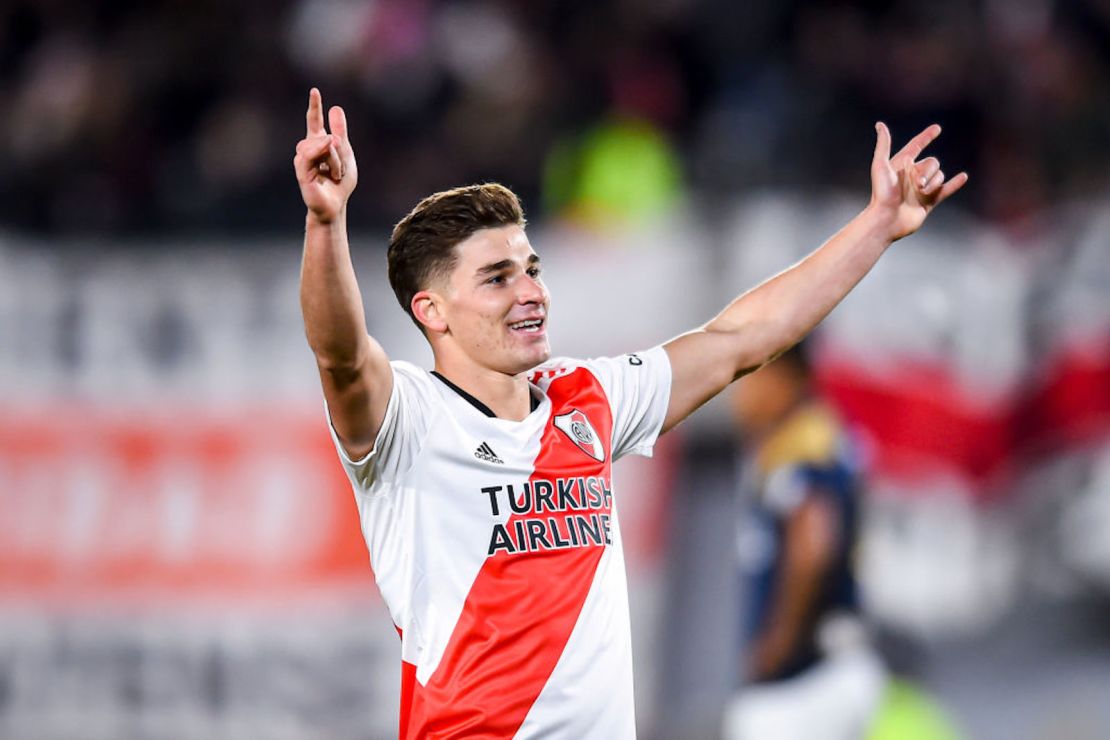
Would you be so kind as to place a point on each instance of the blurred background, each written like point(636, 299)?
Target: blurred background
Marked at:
point(179, 549)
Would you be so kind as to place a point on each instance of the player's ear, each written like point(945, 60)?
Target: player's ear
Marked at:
point(427, 307)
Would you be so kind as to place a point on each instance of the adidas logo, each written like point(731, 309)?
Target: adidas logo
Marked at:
point(485, 452)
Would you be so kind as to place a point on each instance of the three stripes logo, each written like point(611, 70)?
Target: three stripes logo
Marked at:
point(485, 452)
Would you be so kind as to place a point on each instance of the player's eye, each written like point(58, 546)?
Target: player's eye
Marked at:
point(533, 272)
point(495, 280)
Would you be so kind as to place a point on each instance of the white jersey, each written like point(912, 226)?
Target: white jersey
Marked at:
point(496, 548)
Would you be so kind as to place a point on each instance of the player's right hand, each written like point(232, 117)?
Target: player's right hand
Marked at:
point(325, 163)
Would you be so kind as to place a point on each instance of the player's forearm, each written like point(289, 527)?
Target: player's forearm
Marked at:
point(335, 324)
point(778, 313)
point(795, 594)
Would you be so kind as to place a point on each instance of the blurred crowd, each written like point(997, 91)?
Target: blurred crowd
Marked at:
point(130, 118)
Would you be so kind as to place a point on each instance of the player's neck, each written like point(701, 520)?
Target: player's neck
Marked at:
point(507, 396)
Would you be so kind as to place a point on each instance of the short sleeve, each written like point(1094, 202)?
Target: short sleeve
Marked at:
point(785, 489)
point(639, 390)
point(405, 426)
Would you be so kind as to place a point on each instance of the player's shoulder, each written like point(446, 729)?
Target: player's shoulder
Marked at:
point(412, 379)
point(409, 370)
point(605, 369)
point(556, 367)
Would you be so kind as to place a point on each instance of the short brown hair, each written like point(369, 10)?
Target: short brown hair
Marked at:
point(422, 246)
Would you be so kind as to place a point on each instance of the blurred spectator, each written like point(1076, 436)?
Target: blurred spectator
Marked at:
point(623, 171)
point(174, 116)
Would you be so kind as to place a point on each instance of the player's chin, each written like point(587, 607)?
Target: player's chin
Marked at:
point(526, 358)
point(543, 353)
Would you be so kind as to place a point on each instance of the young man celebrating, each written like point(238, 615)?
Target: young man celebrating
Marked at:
point(483, 487)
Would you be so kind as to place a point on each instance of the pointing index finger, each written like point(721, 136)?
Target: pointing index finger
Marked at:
point(882, 143)
point(315, 115)
point(916, 145)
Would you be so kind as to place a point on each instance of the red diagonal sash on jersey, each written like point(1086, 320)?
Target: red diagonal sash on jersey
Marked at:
point(521, 608)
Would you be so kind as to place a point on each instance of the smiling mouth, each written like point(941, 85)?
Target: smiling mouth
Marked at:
point(528, 326)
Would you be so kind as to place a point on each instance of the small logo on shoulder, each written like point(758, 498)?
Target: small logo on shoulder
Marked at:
point(486, 453)
point(577, 427)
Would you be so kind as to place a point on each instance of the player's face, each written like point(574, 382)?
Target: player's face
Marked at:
point(496, 305)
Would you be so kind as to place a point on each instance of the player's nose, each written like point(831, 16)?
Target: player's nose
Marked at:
point(531, 291)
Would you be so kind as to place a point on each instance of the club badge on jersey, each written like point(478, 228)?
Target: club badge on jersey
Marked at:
point(577, 427)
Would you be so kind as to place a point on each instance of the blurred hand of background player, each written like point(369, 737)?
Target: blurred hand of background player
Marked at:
point(325, 163)
point(903, 189)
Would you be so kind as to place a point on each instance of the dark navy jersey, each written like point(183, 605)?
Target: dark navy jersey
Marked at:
point(809, 456)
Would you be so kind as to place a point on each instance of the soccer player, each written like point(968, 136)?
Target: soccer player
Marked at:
point(484, 486)
point(811, 671)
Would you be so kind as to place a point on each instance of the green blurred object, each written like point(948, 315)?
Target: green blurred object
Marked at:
point(623, 169)
point(908, 713)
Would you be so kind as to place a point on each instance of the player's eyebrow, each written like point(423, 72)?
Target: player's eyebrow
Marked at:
point(494, 267)
point(504, 264)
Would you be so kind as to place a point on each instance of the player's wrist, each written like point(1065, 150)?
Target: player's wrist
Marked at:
point(881, 220)
point(324, 219)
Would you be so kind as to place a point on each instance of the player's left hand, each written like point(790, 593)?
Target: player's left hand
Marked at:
point(903, 189)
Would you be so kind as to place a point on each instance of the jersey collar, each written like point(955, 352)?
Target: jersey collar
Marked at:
point(535, 402)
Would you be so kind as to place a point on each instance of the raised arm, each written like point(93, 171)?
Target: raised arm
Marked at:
point(775, 315)
point(354, 369)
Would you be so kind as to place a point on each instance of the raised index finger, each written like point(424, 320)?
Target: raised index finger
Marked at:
point(915, 146)
point(882, 144)
point(315, 115)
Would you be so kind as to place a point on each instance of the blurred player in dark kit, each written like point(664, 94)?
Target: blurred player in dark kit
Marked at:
point(809, 668)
